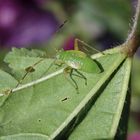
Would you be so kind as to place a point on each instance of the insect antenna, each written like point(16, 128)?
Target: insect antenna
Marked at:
point(56, 32)
point(48, 68)
point(61, 26)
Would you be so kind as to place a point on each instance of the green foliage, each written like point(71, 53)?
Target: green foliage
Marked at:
point(19, 59)
point(52, 109)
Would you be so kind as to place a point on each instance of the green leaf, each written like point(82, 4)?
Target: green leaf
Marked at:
point(102, 120)
point(19, 59)
point(52, 107)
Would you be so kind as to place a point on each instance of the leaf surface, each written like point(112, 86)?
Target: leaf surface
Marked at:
point(25, 137)
point(6, 81)
point(102, 120)
point(53, 108)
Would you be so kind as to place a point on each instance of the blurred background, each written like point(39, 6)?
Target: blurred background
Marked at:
point(102, 24)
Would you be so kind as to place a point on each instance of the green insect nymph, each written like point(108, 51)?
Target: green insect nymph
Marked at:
point(77, 60)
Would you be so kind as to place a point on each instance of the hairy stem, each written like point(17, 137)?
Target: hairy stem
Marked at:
point(133, 40)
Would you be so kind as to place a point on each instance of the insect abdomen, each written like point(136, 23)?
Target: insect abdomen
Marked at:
point(79, 60)
point(90, 66)
point(72, 58)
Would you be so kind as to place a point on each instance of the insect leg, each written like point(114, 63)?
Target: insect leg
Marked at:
point(58, 64)
point(76, 44)
point(28, 70)
point(84, 43)
point(81, 75)
point(69, 71)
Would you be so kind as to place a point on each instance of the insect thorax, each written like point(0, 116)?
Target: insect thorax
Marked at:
point(71, 58)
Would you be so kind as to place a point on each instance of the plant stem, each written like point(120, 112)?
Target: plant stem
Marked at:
point(133, 40)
